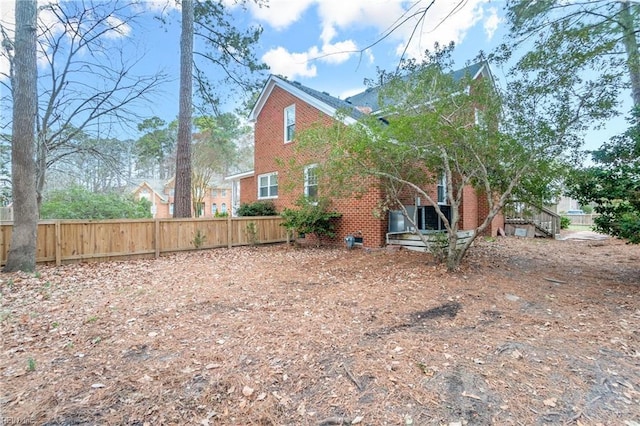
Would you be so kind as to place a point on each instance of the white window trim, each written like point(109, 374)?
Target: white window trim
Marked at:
point(306, 179)
point(442, 181)
point(269, 175)
point(286, 110)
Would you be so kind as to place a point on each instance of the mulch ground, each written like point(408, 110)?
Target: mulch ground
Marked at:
point(528, 332)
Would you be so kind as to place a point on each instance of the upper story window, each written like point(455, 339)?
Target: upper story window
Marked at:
point(214, 193)
point(223, 193)
point(442, 189)
point(268, 185)
point(311, 182)
point(289, 123)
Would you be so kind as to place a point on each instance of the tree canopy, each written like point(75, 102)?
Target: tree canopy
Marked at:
point(613, 184)
point(594, 47)
point(444, 127)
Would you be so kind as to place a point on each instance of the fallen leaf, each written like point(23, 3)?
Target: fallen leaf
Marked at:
point(301, 409)
point(357, 420)
point(551, 402)
point(145, 379)
point(247, 391)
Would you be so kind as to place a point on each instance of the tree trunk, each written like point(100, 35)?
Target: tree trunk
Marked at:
point(182, 200)
point(22, 254)
point(631, 48)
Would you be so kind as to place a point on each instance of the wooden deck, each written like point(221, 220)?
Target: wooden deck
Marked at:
point(413, 241)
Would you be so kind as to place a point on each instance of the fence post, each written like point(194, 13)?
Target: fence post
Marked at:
point(58, 243)
point(157, 238)
point(229, 232)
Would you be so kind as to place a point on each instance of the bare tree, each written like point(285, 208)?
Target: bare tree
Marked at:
point(182, 206)
point(86, 86)
point(22, 254)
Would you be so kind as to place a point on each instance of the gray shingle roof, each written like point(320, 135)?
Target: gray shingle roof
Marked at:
point(332, 101)
point(368, 99)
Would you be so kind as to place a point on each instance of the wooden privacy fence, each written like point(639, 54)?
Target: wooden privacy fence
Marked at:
point(581, 219)
point(66, 241)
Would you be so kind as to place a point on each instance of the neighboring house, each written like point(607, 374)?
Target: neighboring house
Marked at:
point(564, 204)
point(285, 107)
point(153, 190)
point(216, 199)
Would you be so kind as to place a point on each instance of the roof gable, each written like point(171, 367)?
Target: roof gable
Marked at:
point(322, 101)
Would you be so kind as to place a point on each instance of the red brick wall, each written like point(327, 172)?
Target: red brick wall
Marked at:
point(358, 217)
point(272, 154)
point(469, 209)
point(248, 190)
point(483, 212)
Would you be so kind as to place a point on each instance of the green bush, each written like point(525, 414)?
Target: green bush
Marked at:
point(311, 218)
point(258, 208)
point(565, 222)
point(80, 203)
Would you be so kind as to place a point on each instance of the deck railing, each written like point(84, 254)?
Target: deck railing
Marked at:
point(545, 220)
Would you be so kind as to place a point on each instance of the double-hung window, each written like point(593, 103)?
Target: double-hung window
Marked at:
point(311, 182)
point(442, 189)
point(268, 185)
point(289, 123)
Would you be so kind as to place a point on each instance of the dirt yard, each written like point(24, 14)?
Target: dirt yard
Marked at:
point(529, 332)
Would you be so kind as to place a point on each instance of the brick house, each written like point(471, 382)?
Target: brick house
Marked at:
point(284, 107)
point(217, 198)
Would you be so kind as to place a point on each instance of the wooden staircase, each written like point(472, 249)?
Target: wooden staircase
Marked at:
point(546, 222)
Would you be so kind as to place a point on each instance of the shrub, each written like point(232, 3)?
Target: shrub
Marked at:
point(311, 218)
point(80, 203)
point(258, 208)
point(565, 222)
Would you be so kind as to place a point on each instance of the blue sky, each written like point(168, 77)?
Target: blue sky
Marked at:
point(315, 41)
point(302, 38)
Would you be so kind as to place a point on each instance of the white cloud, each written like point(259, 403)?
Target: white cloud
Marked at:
point(492, 23)
point(337, 53)
point(157, 6)
point(279, 14)
point(290, 65)
point(119, 28)
point(443, 22)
